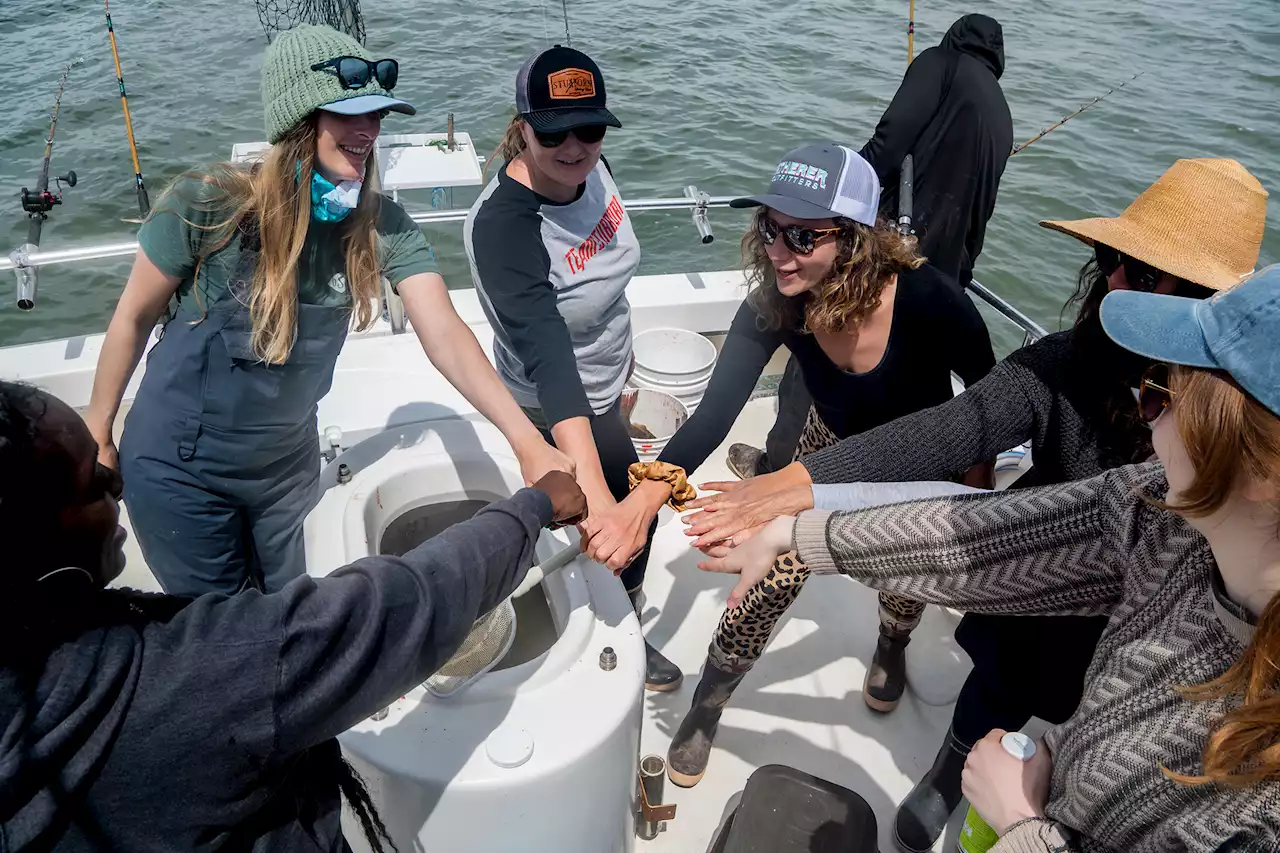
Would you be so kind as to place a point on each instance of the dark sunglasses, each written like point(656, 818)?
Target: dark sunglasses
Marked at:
point(1154, 394)
point(104, 483)
point(588, 133)
point(355, 73)
point(799, 240)
point(1140, 274)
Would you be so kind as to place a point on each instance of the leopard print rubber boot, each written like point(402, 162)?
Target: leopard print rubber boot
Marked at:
point(887, 676)
point(690, 749)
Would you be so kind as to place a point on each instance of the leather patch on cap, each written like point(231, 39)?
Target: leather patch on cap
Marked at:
point(572, 84)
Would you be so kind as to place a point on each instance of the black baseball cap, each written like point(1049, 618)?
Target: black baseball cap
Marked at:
point(560, 88)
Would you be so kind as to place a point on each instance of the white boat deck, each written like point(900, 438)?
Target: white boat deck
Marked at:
point(801, 705)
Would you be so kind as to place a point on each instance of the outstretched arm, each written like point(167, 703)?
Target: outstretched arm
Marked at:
point(1053, 550)
point(747, 350)
point(995, 413)
point(454, 350)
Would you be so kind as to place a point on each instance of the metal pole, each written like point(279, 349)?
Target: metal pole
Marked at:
point(144, 203)
point(421, 217)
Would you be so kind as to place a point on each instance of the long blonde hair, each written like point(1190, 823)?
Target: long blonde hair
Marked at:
point(1231, 437)
point(511, 145)
point(866, 261)
point(274, 199)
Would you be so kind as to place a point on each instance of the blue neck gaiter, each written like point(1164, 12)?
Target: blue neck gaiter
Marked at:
point(331, 202)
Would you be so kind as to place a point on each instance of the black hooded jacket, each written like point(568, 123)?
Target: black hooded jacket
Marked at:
point(951, 116)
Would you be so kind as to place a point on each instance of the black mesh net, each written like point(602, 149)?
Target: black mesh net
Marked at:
point(277, 16)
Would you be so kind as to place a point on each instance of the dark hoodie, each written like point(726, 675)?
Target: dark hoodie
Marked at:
point(951, 116)
point(211, 726)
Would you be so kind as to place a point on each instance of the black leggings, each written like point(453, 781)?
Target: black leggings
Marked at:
point(1023, 666)
point(617, 453)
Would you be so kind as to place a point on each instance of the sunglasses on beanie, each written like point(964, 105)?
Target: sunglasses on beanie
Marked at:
point(799, 240)
point(1139, 274)
point(1154, 394)
point(589, 134)
point(355, 73)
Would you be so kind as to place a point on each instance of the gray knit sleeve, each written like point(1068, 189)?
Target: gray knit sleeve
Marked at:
point(1057, 550)
point(936, 443)
point(940, 443)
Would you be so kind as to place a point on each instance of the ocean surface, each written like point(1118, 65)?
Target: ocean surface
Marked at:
point(710, 93)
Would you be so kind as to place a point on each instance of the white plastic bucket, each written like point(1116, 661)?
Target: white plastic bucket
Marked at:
point(691, 396)
point(674, 356)
point(659, 413)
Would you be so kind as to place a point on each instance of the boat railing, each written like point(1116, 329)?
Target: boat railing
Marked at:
point(693, 200)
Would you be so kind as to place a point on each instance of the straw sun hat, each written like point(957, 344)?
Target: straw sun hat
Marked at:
point(1201, 221)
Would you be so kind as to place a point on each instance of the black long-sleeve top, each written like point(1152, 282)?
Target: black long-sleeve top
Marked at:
point(934, 331)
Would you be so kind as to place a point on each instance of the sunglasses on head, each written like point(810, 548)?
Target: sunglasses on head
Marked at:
point(799, 240)
point(355, 73)
point(588, 133)
point(1139, 274)
point(1154, 394)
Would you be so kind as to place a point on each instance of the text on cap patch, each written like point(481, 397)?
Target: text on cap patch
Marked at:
point(571, 84)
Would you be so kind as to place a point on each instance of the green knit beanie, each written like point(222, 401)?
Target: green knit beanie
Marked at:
point(291, 91)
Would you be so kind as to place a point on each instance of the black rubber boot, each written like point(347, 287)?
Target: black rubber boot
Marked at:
point(745, 461)
point(923, 815)
point(887, 675)
point(660, 674)
point(691, 747)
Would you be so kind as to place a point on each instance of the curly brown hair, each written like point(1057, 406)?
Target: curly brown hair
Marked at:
point(867, 259)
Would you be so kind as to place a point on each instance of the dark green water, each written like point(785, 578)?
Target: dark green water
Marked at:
point(711, 92)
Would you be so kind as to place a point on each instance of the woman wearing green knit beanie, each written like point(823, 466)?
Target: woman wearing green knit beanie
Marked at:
point(271, 265)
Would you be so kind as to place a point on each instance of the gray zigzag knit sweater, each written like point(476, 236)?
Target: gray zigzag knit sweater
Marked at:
point(1088, 547)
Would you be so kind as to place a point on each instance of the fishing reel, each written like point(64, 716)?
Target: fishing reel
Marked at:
point(40, 202)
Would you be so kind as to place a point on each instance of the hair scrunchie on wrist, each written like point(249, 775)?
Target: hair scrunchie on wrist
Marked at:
point(681, 491)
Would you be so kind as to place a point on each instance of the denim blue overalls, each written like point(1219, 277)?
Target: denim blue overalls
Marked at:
point(220, 455)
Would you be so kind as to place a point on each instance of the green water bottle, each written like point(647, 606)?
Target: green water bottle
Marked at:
point(977, 836)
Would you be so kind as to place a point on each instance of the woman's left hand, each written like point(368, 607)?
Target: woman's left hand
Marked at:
point(753, 559)
point(1005, 789)
point(538, 458)
point(617, 536)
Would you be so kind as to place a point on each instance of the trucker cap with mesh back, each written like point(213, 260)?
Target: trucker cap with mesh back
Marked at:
point(821, 182)
point(560, 88)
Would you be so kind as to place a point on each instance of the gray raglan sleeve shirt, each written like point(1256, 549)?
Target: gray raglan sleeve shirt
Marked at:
point(512, 261)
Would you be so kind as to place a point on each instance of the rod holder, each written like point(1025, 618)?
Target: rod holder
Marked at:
point(701, 202)
point(28, 277)
point(650, 781)
point(392, 307)
point(906, 192)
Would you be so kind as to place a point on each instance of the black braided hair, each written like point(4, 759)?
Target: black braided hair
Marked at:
point(21, 408)
point(357, 796)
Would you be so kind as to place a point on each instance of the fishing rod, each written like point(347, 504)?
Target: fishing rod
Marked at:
point(906, 176)
point(144, 203)
point(37, 205)
point(1042, 134)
